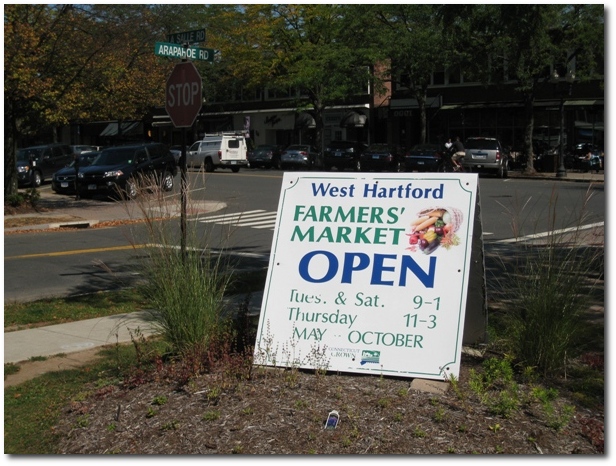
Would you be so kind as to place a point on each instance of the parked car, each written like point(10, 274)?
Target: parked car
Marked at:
point(381, 157)
point(343, 154)
point(122, 170)
point(266, 156)
point(220, 150)
point(63, 181)
point(301, 156)
point(176, 151)
point(485, 155)
point(81, 149)
point(423, 158)
point(37, 163)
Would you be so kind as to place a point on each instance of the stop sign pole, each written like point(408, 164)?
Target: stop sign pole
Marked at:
point(183, 103)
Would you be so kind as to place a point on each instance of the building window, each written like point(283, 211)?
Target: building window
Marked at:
point(272, 94)
point(454, 75)
point(438, 78)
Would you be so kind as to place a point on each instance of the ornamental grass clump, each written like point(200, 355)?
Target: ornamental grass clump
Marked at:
point(184, 280)
point(551, 285)
point(186, 293)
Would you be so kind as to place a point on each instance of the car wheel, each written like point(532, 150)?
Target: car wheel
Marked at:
point(276, 164)
point(37, 179)
point(235, 169)
point(397, 168)
point(503, 170)
point(209, 165)
point(167, 181)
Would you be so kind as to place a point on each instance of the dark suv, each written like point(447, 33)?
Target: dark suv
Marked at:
point(266, 156)
point(122, 170)
point(381, 157)
point(37, 163)
point(343, 154)
point(486, 155)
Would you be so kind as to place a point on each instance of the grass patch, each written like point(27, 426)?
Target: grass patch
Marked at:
point(32, 409)
point(59, 310)
point(51, 311)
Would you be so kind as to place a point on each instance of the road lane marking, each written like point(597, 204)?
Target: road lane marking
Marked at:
point(253, 218)
point(76, 251)
point(550, 233)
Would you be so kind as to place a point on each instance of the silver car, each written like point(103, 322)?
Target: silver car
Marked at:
point(299, 156)
point(485, 155)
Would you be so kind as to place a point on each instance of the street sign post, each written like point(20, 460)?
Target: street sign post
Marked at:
point(183, 95)
point(183, 102)
point(188, 37)
point(167, 49)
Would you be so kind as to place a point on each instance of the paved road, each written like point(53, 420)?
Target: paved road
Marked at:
point(79, 336)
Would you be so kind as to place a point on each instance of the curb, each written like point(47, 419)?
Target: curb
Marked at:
point(84, 224)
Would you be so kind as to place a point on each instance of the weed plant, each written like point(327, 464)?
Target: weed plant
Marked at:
point(549, 287)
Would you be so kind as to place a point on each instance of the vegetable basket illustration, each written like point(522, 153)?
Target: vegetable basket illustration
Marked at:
point(435, 227)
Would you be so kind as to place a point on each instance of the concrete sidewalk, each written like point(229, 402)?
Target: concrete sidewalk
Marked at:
point(73, 337)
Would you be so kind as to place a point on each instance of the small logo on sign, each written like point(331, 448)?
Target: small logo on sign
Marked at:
point(370, 357)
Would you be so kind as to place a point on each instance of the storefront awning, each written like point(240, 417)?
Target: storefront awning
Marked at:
point(583, 103)
point(482, 105)
point(304, 120)
point(128, 128)
point(353, 119)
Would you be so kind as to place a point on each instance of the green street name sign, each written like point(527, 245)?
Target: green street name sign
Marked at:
point(167, 49)
point(189, 36)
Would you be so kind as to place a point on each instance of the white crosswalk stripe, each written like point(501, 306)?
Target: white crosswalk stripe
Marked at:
point(253, 218)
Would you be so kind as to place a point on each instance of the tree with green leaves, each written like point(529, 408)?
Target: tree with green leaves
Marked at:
point(71, 63)
point(496, 43)
point(309, 52)
point(410, 38)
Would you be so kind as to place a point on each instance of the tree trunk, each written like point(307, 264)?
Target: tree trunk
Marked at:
point(528, 135)
point(10, 151)
point(423, 124)
point(420, 95)
point(318, 119)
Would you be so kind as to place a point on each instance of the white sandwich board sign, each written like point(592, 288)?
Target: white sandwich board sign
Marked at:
point(369, 273)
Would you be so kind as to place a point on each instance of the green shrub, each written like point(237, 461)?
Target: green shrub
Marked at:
point(15, 200)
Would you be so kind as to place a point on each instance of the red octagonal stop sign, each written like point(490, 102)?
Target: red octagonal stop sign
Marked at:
point(183, 95)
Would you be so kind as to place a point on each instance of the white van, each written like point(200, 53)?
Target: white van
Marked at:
point(219, 150)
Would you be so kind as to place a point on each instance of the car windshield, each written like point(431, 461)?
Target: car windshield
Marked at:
point(85, 159)
point(300, 148)
point(25, 154)
point(480, 144)
point(115, 157)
